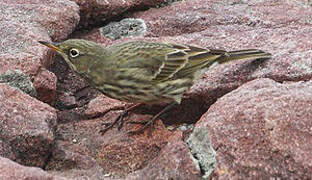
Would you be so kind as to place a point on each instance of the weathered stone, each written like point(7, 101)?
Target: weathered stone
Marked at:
point(173, 162)
point(68, 155)
point(201, 149)
point(263, 129)
point(12, 170)
point(26, 125)
point(45, 83)
point(18, 80)
point(124, 28)
point(71, 160)
point(116, 152)
point(23, 23)
point(101, 105)
point(93, 12)
point(6, 150)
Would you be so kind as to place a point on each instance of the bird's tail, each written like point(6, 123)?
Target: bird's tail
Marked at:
point(244, 54)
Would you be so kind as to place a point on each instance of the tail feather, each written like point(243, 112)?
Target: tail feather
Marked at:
point(244, 54)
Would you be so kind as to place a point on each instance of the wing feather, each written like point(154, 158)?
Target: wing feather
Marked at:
point(174, 62)
point(186, 60)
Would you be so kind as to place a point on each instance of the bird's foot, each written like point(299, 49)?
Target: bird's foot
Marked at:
point(146, 124)
point(150, 123)
point(119, 119)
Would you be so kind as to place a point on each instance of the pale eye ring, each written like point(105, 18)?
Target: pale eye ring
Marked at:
point(73, 52)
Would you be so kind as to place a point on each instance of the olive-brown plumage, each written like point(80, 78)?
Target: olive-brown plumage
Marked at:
point(144, 72)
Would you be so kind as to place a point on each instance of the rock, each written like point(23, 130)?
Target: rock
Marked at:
point(66, 156)
point(6, 150)
point(219, 19)
point(71, 160)
point(101, 105)
point(72, 90)
point(20, 81)
point(26, 126)
point(201, 149)
point(12, 170)
point(179, 19)
point(124, 28)
point(96, 12)
point(173, 162)
point(262, 130)
point(122, 153)
point(45, 83)
point(23, 23)
point(82, 148)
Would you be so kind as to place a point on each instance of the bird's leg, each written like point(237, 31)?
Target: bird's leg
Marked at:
point(152, 121)
point(120, 118)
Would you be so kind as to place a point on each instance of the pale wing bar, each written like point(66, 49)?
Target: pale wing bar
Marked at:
point(176, 61)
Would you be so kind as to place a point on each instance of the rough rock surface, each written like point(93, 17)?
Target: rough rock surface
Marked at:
point(13, 170)
point(201, 149)
point(45, 83)
point(6, 151)
point(19, 80)
point(262, 129)
point(73, 160)
point(93, 12)
point(173, 162)
point(124, 28)
point(26, 127)
point(23, 23)
point(81, 147)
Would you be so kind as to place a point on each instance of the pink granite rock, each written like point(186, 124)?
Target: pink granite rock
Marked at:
point(23, 23)
point(72, 90)
point(12, 170)
point(71, 159)
point(93, 12)
point(26, 126)
point(45, 84)
point(221, 17)
point(122, 153)
point(19, 80)
point(6, 151)
point(103, 104)
point(116, 152)
point(262, 129)
point(173, 162)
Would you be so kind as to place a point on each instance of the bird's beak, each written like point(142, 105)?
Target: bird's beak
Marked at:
point(51, 45)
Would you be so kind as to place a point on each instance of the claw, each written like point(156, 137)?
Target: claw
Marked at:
point(119, 119)
point(146, 125)
point(110, 125)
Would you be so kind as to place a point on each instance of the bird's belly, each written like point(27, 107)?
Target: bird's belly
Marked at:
point(147, 94)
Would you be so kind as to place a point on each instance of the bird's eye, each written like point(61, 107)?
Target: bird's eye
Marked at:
point(73, 52)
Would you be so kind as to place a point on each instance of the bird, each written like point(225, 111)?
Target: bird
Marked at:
point(143, 72)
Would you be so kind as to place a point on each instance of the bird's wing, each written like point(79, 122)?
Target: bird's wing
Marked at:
point(186, 60)
point(161, 62)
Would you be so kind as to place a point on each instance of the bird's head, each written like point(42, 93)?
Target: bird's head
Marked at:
point(79, 54)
